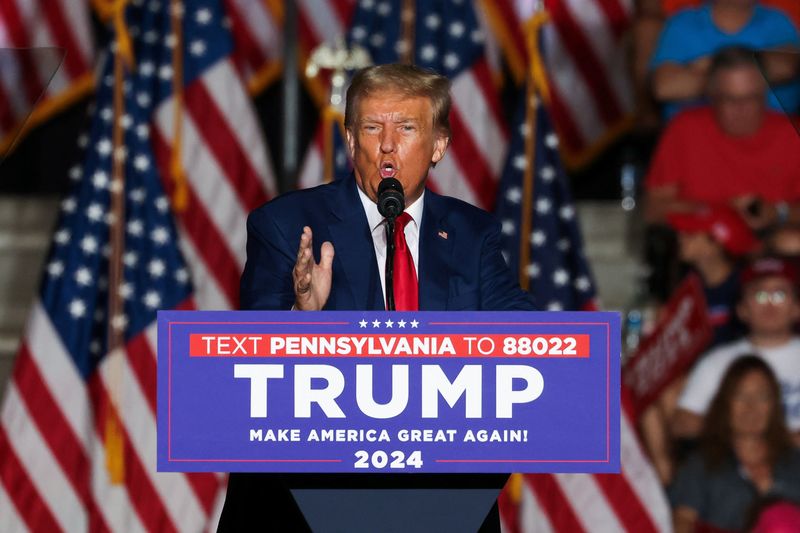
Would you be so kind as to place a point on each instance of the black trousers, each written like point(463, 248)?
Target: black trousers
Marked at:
point(262, 502)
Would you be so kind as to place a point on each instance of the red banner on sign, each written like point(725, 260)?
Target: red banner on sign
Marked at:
point(680, 336)
point(390, 345)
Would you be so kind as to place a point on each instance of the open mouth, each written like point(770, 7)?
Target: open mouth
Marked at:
point(388, 170)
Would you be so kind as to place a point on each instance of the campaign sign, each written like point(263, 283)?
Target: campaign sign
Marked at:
point(410, 392)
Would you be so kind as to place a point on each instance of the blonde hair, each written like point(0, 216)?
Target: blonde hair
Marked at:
point(407, 80)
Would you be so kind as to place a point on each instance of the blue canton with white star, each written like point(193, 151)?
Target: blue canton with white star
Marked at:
point(559, 273)
point(75, 287)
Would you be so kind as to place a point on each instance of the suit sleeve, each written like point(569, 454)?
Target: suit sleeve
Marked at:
point(499, 290)
point(266, 282)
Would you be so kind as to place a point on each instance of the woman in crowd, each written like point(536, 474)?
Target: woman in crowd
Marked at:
point(745, 454)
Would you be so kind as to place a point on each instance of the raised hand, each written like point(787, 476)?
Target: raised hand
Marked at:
point(312, 281)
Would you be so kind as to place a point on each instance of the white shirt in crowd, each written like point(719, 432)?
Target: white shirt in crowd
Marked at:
point(707, 375)
point(376, 226)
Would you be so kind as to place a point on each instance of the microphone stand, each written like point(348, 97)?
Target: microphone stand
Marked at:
point(389, 270)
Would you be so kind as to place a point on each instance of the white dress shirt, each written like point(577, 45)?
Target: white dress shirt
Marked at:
point(376, 226)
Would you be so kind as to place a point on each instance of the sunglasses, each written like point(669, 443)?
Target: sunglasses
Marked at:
point(776, 297)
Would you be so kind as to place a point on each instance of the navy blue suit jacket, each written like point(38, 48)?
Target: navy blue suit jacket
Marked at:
point(460, 268)
point(460, 263)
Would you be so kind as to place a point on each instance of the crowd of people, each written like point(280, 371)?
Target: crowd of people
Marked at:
point(721, 81)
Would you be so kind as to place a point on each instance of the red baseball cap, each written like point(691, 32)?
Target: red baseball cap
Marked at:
point(769, 266)
point(722, 223)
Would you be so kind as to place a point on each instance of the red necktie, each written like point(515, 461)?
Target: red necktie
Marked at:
point(405, 275)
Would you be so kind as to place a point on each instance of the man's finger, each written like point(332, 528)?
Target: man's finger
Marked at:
point(326, 255)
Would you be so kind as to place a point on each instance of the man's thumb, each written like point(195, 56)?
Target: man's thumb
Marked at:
point(326, 255)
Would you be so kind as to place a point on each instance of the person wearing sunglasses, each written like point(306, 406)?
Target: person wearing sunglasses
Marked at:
point(769, 307)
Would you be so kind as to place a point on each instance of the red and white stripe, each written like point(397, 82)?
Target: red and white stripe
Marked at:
point(257, 35)
point(632, 501)
point(30, 77)
point(52, 422)
point(228, 173)
point(584, 55)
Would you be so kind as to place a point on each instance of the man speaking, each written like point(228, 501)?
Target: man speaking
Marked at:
point(442, 254)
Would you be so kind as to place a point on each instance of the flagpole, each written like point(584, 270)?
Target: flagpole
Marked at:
point(291, 99)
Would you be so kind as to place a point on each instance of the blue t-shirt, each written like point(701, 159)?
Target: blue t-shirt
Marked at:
point(691, 34)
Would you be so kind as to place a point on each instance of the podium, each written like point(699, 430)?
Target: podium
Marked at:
point(376, 421)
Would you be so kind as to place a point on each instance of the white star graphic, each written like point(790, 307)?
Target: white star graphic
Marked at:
point(363, 323)
point(135, 227)
point(165, 72)
point(162, 204)
point(582, 283)
point(100, 179)
point(203, 16)
point(533, 270)
point(62, 236)
point(182, 275)
point(170, 40)
point(451, 61)
point(77, 308)
point(143, 131)
point(566, 212)
point(125, 291)
point(55, 268)
point(547, 173)
point(384, 9)
point(160, 235)
point(551, 140)
point(147, 68)
point(508, 227)
point(457, 29)
point(514, 195)
point(137, 195)
point(152, 299)
point(554, 306)
point(141, 163)
point(563, 244)
point(389, 323)
point(95, 212)
point(130, 259)
point(106, 114)
point(89, 244)
point(75, 173)
point(428, 52)
point(401, 323)
point(432, 21)
point(538, 238)
point(359, 33)
point(414, 323)
point(197, 48)
point(104, 147)
point(376, 323)
point(68, 205)
point(143, 99)
point(83, 276)
point(543, 205)
point(156, 268)
point(560, 277)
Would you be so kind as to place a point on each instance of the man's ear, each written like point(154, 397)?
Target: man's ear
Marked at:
point(351, 143)
point(439, 148)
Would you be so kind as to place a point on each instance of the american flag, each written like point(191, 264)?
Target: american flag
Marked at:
point(257, 27)
point(67, 390)
point(542, 243)
point(588, 86)
point(34, 37)
point(447, 37)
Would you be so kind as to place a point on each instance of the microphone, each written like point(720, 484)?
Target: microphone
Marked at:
point(391, 201)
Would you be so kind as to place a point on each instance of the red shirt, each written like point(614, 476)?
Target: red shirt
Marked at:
point(712, 167)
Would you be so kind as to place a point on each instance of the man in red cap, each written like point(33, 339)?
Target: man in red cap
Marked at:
point(770, 308)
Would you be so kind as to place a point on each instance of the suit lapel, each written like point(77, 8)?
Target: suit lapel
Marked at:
point(354, 252)
point(435, 247)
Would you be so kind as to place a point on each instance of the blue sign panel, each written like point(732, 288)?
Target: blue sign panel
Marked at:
point(402, 392)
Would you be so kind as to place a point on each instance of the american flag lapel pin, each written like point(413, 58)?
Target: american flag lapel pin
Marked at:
point(443, 234)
